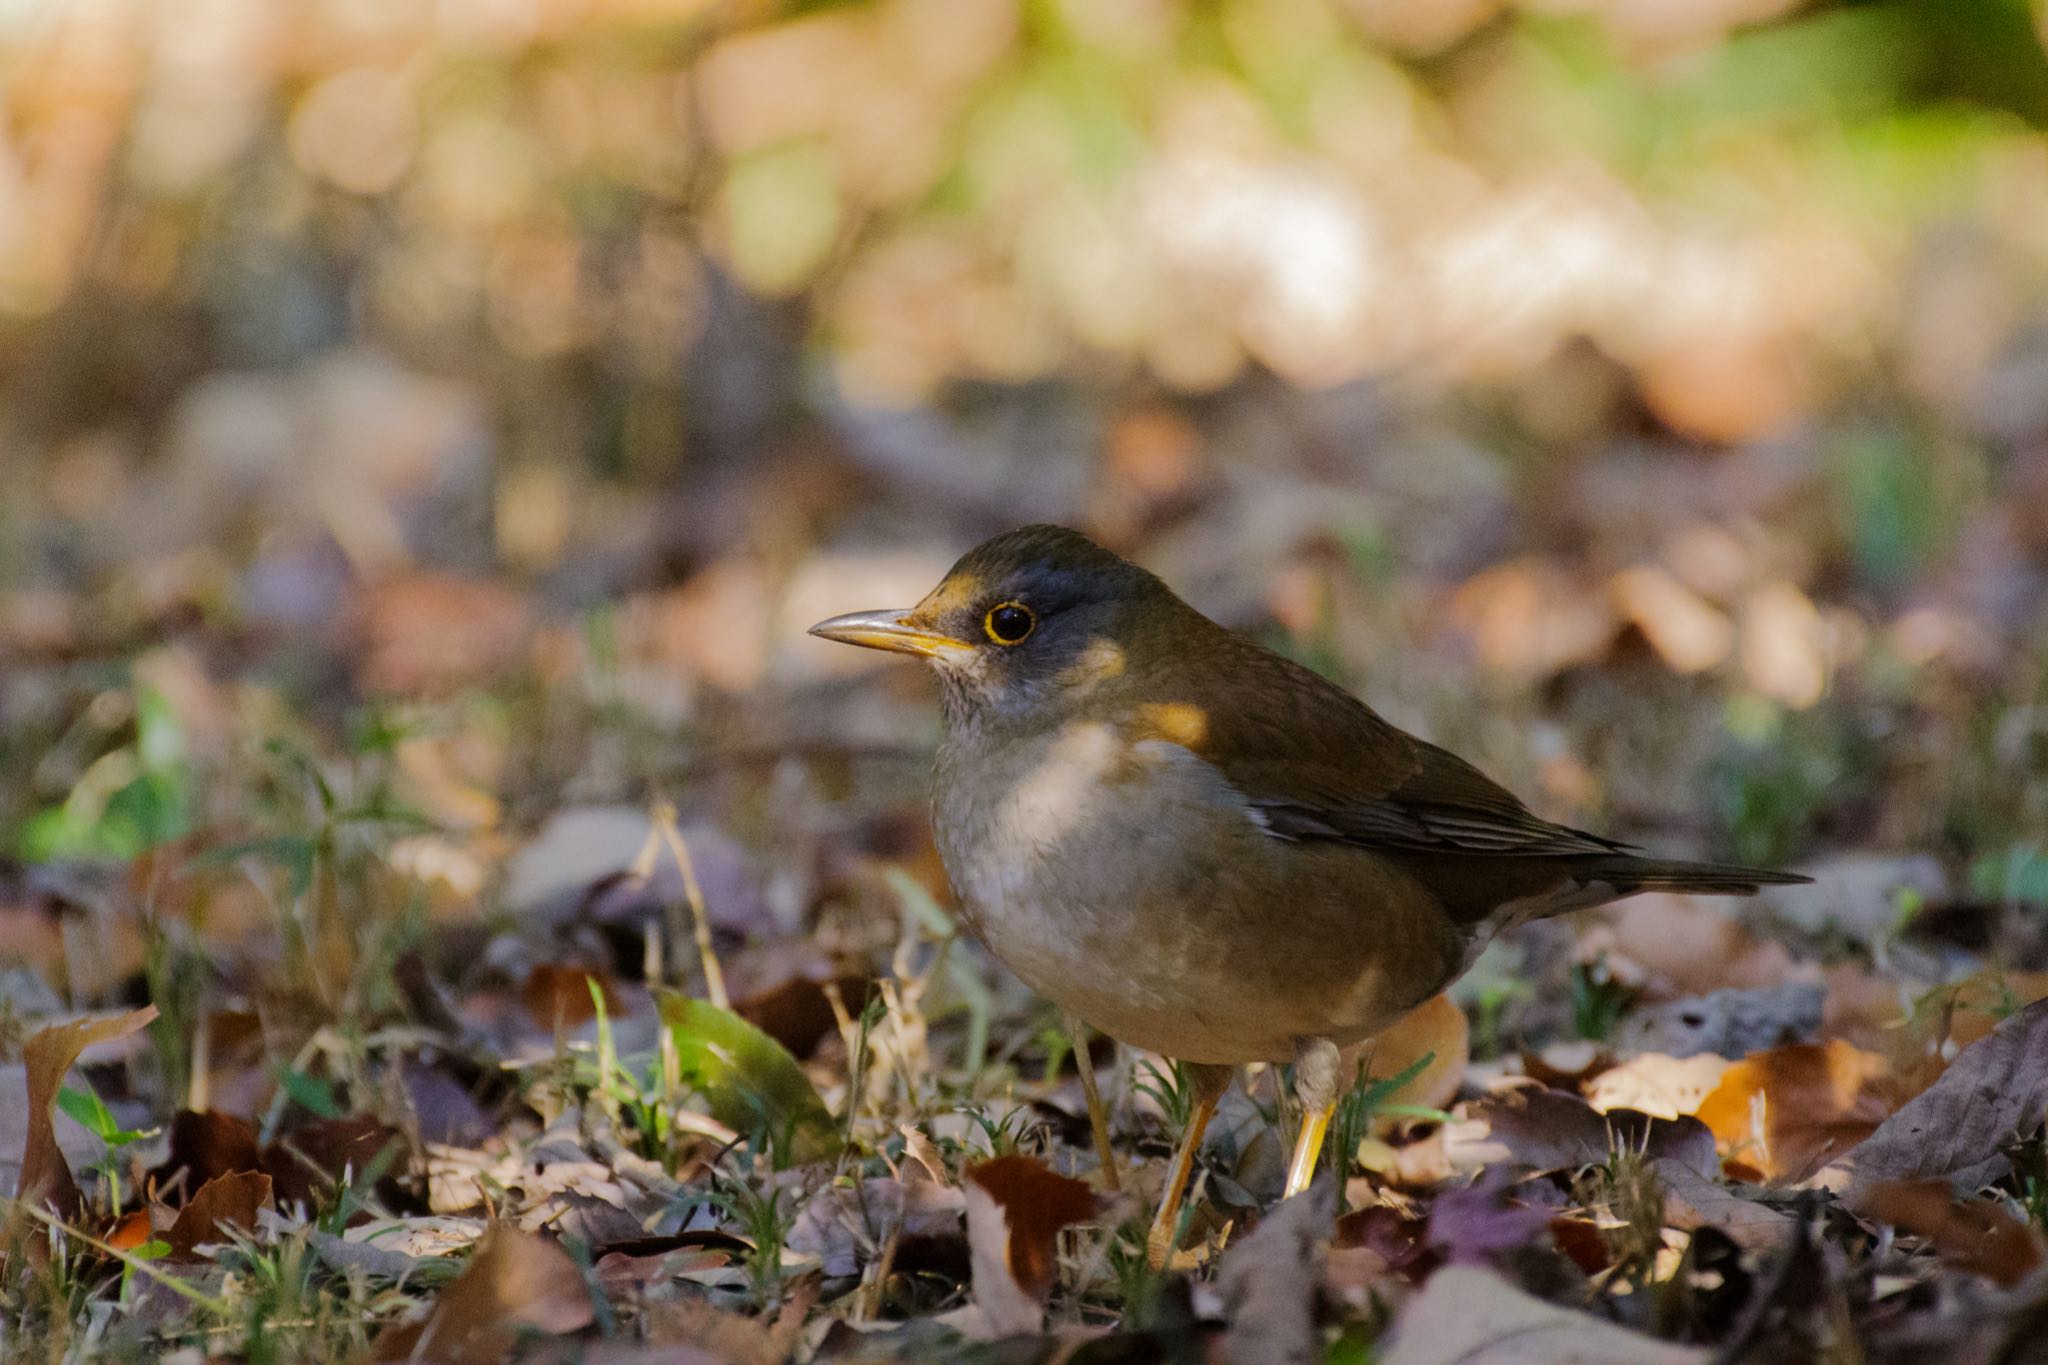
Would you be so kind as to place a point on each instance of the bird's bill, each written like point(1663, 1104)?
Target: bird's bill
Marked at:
point(890, 630)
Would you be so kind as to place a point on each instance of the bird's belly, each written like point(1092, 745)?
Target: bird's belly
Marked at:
point(1156, 908)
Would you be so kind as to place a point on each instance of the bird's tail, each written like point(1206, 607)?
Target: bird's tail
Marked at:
point(1629, 875)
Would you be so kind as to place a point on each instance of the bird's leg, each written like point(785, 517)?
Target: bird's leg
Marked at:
point(1316, 1068)
point(1098, 1116)
point(1209, 1082)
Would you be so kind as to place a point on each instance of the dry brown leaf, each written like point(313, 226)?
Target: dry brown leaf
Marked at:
point(1016, 1206)
point(223, 1202)
point(1658, 1084)
point(1973, 1007)
point(315, 1156)
point(725, 1336)
point(1688, 632)
point(45, 1177)
point(1693, 1201)
point(1995, 1091)
point(1530, 617)
point(205, 1147)
point(433, 633)
point(1684, 945)
point(559, 996)
point(1268, 1281)
point(1549, 1130)
point(1977, 1235)
point(1785, 1113)
point(1466, 1315)
point(516, 1285)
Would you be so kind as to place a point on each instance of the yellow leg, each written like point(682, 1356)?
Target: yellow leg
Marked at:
point(1302, 1168)
point(1317, 1064)
point(1098, 1116)
point(1210, 1083)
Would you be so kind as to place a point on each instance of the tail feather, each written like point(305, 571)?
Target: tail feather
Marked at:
point(1629, 875)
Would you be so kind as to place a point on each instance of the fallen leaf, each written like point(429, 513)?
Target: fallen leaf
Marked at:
point(1474, 1223)
point(205, 1147)
point(1467, 1315)
point(1016, 1206)
point(1549, 1130)
point(1268, 1281)
point(1436, 1029)
point(1659, 1084)
point(434, 633)
point(45, 1177)
point(319, 1155)
point(749, 1080)
point(1977, 1235)
point(560, 996)
point(516, 1285)
point(1955, 1130)
point(221, 1203)
point(1785, 1113)
point(708, 1333)
point(1690, 633)
point(1693, 1201)
point(797, 1012)
point(845, 1228)
point(1679, 945)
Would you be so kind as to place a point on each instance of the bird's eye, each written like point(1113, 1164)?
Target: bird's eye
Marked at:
point(1010, 623)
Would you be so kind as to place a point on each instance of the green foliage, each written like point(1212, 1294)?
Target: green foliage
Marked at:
point(748, 1080)
point(90, 1112)
point(1173, 1091)
point(1598, 1001)
point(128, 801)
point(1367, 1100)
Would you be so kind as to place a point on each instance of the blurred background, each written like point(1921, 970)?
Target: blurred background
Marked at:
point(474, 400)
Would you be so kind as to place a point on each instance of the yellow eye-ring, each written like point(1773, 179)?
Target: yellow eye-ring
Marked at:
point(1010, 623)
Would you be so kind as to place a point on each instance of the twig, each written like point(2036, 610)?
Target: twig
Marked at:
point(664, 820)
point(135, 1263)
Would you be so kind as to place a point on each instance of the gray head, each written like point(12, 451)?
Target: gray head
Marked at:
point(1029, 617)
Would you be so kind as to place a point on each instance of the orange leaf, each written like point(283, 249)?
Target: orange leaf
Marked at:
point(135, 1228)
point(223, 1202)
point(1786, 1112)
point(1436, 1029)
point(1975, 1234)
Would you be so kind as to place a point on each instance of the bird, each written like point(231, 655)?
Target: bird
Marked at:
point(1206, 850)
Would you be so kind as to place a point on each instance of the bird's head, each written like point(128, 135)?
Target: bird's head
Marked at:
point(1027, 624)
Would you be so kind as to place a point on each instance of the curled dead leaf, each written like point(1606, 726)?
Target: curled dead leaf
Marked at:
point(228, 1201)
point(204, 1147)
point(516, 1285)
point(1016, 1206)
point(1996, 1090)
point(1549, 1130)
point(1466, 1315)
point(45, 1176)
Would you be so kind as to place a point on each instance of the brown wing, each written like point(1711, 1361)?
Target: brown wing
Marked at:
point(1316, 763)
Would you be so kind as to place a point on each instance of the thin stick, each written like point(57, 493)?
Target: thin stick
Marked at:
point(714, 977)
point(141, 1267)
point(1098, 1117)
